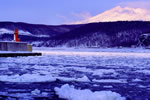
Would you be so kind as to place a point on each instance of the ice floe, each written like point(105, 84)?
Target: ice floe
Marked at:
point(71, 93)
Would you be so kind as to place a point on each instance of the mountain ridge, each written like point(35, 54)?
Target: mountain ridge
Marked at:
point(102, 34)
point(34, 30)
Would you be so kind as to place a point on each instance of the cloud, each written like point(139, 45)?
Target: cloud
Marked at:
point(82, 16)
point(75, 17)
point(119, 14)
point(64, 19)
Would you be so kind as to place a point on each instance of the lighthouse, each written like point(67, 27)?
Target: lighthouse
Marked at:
point(16, 39)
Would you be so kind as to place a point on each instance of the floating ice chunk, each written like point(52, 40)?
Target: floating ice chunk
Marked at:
point(70, 93)
point(147, 72)
point(83, 79)
point(35, 92)
point(44, 93)
point(27, 78)
point(95, 85)
point(110, 81)
point(142, 86)
point(136, 80)
point(101, 72)
point(66, 79)
point(108, 86)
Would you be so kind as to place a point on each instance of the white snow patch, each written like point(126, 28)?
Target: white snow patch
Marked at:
point(3, 31)
point(24, 32)
point(21, 32)
point(70, 93)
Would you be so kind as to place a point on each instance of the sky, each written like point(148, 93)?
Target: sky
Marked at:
point(56, 12)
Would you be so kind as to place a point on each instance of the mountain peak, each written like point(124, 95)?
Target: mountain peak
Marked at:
point(120, 14)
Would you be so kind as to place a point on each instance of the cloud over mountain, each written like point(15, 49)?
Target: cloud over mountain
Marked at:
point(119, 14)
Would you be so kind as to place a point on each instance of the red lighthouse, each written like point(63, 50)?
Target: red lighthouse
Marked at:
point(16, 36)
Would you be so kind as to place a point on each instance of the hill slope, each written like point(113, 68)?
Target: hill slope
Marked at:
point(104, 34)
point(32, 32)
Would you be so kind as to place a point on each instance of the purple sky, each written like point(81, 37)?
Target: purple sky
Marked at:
point(54, 12)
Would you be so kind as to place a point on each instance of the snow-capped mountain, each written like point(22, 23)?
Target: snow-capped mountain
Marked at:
point(119, 14)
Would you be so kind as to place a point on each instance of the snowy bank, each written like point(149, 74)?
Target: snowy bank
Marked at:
point(107, 52)
point(70, 93)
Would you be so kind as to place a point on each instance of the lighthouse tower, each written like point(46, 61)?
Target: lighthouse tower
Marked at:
point(16, 39)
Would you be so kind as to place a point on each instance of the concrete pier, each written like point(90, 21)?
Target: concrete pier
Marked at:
point(13, 46)
point(14, 49)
